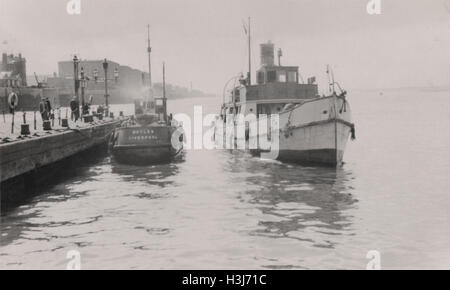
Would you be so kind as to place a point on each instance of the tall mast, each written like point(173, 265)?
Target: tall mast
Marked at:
point(164, 80)
point(149, 50)
point(164, 92)
point(249, 55)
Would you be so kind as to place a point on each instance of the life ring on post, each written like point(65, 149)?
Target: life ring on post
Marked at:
point(41, 107)
point(13, 100)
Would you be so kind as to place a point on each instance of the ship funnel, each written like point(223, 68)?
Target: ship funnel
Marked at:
point(267, 54)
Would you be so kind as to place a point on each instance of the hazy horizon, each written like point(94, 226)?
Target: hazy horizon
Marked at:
point(408, 45)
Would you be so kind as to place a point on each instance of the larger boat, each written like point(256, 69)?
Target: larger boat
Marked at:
point(310, 128)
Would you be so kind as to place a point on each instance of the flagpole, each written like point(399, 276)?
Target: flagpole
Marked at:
point(149, 51)
point(249, 55)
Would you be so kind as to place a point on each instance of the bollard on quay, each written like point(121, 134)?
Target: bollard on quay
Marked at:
point(25, 129)
point(88, 118)
point(47, 125)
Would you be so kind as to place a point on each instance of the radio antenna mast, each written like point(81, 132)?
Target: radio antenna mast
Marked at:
point(149, 51)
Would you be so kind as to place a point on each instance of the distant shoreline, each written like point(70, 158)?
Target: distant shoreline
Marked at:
point(403, 89)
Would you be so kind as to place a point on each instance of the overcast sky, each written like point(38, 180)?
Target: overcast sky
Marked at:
point(203, 41)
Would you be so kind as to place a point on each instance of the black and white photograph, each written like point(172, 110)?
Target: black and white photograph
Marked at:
point(256, 136)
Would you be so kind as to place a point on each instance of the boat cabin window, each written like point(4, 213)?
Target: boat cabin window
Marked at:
point(237, 94)
point(271, 76)
point(282, 76)
point(159, 102)
point(292, 77)
point(260, 77)
point(278, 74)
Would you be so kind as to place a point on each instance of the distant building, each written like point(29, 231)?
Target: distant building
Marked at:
point(124, 82)
point(13, 79)
point(13, 71)
point(128, 77)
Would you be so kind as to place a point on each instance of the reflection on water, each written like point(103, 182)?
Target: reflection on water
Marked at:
point(297, 202)
point(180, 206)
point(158, 174)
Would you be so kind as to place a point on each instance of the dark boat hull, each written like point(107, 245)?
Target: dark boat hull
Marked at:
point(142, 154)
point(144, 144)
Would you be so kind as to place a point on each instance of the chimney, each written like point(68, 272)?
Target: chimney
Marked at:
point(4, 61)
point(267, 54)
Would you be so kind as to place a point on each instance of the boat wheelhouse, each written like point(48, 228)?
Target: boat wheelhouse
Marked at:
point(276, 87)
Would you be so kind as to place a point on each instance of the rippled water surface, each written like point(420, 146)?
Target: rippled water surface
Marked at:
point(217, 209)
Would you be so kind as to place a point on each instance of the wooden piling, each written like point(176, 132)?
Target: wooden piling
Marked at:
point(12, 123)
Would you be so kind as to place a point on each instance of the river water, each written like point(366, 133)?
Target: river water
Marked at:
point(223, 210)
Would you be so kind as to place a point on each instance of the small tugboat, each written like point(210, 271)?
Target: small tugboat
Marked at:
point(309, 128)
point(147, 136)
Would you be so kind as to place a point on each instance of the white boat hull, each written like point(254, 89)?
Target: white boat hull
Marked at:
point(316, 131)
point(318, 143)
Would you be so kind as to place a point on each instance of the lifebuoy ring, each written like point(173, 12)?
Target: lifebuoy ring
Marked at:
point(13, 100)
point(41, 107)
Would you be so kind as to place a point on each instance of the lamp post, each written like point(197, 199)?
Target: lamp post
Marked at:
point(105, 68)
point(116, 75)
point(83, 86)
point(76, 61)
point(280, 54)
point(95, 75)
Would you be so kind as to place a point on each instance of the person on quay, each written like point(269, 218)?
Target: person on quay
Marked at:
point(75, 107)
point(43, 109)
point(48, 108)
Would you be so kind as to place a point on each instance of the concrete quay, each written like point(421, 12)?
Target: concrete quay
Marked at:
point(24, 156)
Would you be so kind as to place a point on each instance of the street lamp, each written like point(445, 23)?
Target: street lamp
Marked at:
point(83, 86)
point(105, 68)
point(76, 62)
point(95, 75)
point(116, 75)
point(75, 74)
